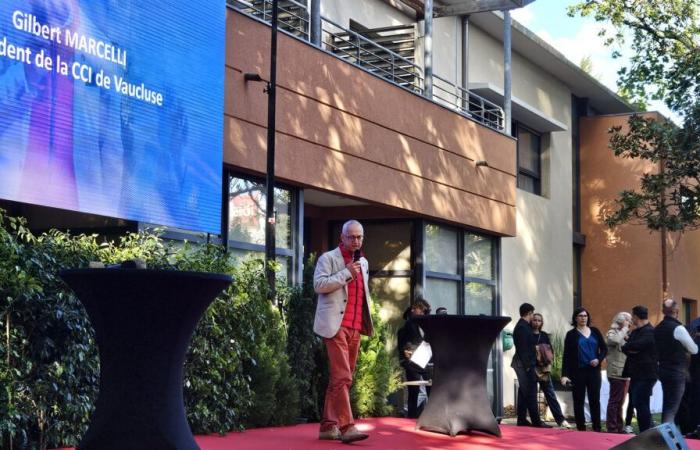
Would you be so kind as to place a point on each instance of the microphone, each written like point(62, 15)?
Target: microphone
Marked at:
point(356, 255)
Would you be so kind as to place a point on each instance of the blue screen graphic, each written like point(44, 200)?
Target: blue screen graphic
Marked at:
point(114, 107)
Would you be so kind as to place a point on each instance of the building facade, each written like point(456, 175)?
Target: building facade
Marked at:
point(457, 209)
point(403, 127)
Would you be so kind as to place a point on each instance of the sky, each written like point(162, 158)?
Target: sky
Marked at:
point(576, 38)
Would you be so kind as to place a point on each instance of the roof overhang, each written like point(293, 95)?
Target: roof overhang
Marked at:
point(541, 54)
point(521, 111)
point(444, 8)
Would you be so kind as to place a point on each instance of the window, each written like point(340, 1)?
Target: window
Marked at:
point(690, 311)
point(529, 159)
point(246, 221)
point(460, 271)
point(461, 275)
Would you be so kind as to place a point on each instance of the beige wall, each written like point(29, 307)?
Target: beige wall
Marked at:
point(342, 130)
point(531, 84)
point(370, 13)
point(537, 264)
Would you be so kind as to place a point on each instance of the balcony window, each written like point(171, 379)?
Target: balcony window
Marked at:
point(529, 159)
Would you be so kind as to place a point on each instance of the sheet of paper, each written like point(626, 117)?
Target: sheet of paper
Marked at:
point(422, 354)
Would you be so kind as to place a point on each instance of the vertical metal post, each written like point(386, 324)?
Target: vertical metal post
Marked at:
point(270, 175)
point(507, 71)
point(465, 62)
point(316, 31)
point(428, 49)
point(225, 189)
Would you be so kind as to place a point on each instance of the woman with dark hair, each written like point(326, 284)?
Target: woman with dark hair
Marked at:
point(584, 350)
point(543, 368)
point(410, 337)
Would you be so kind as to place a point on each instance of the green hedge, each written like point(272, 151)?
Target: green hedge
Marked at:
point(241, 370)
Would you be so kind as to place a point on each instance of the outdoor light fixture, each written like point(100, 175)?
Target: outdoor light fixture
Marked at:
point(248, 76)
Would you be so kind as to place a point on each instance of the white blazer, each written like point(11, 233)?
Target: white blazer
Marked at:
point(330, 283)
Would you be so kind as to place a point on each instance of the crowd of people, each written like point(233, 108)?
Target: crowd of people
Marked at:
point(637, 355)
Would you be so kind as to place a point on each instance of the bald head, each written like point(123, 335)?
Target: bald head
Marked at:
point(670, 308)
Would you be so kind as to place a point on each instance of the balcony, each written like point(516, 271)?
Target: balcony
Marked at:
point(386, 52)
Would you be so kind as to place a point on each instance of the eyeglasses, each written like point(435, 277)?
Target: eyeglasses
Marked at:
point(354, 238)
point(582, 315)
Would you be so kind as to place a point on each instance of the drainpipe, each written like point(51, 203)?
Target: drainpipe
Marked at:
point(506, 72)
point(315, 21)
point(428, 49)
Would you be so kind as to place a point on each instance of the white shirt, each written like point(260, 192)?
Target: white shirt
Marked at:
point(680, 333)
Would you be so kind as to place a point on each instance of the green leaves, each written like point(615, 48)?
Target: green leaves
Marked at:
point(668, 196)
point(663, 34)
point(250, 363)
point(377, 374)
point(664, 65)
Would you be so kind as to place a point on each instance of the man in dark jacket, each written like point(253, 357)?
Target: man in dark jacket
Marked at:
point(524, 362)
point(673, 345)
point(694, 386)
point(641, 365)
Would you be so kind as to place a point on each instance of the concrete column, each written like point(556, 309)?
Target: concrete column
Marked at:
point(428, 50)
point(507, 80)
point(315, 32)
point(465, 60)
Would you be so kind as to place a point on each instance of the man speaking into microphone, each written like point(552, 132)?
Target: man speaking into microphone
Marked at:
point(342, 315)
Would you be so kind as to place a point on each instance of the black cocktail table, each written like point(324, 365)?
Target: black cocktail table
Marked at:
point(461, 346)
point(143, 321)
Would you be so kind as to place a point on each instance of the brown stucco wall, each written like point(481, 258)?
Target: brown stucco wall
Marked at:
point(621, 267)
point(343, 130)
point(683, 263)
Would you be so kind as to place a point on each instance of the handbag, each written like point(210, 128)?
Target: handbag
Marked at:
point(545, 357)
point(545, 354)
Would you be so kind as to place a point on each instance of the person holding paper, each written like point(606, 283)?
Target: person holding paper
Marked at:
point(410, 337)
point(341, 280)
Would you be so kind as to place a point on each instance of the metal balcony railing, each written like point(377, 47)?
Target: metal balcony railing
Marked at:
point(467, 103)
point(368, 54)
point(292, 16)
point(365, 50)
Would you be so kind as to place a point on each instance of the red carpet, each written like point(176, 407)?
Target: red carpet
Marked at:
point(398, 434)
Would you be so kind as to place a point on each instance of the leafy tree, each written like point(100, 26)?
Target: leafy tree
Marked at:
point(665, 61)
point(665, 65)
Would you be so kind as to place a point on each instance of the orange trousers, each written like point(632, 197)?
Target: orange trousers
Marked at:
point(342, 352)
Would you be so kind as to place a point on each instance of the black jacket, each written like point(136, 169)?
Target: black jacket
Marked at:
point(409, 337)
point(642, 361)
point(570, 367)
point(672, 354)
point(541, 338)
point(524, 347)
point(694, 330)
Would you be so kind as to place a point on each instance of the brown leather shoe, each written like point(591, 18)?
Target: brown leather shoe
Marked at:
point(352, 434)
point(332, 434)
